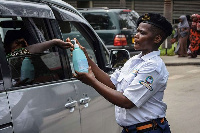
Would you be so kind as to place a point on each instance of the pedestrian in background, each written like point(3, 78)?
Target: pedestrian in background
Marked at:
point(173, 40)
point(181, 36)
point(194, 36)
point(190, 23)
point(137, 89)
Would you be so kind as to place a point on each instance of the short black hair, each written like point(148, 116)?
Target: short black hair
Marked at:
point(156, 31)
point(10, 37)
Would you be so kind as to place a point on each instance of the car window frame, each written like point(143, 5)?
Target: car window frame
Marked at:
point(8, 80)
point(89, 34)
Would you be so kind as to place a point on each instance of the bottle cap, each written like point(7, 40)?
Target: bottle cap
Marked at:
point(75, 44)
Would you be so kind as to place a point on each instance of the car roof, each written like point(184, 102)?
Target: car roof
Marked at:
point(106, 9)
point(30, 9)
point(102, 9)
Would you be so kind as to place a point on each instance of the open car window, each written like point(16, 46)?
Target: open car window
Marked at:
point(34, 69)
point(72, 33)
point(45, 66)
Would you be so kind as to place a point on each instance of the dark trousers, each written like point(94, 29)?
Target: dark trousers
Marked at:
point(160, 128)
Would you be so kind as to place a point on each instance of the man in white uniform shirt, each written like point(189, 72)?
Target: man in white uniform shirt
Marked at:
point(137, 89)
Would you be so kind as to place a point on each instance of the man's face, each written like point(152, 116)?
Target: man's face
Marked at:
point(19, 43)
point(144, 39)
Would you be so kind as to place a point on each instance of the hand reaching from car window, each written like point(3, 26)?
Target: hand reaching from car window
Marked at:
point(62, 44)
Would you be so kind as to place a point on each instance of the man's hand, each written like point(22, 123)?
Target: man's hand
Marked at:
point(62, 44)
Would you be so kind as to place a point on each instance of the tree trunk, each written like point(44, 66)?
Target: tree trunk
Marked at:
point(168, 15)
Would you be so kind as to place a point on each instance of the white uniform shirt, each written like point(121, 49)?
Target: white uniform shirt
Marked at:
point(143, 81)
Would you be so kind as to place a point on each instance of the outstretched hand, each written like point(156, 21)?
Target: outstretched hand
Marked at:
point(62, 44)
point(87, 78)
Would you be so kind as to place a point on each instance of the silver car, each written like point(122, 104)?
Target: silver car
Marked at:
point(53, 101)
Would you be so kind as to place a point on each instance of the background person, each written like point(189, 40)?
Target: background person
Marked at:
point(137, 89)
point(190, 23)
point(182, 36)
point(194, 36)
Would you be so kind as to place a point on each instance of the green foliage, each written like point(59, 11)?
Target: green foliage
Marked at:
point(168, 52)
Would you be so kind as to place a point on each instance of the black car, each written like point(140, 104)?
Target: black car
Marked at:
point(116, 27)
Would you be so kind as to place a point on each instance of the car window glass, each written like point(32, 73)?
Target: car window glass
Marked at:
point(127, 20)
point(27, 68)
point(1, 81)
point(74, 33)
point(105, 54)
point(99, 21)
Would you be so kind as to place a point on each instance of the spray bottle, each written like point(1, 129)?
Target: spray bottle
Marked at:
point(79, 59)
point(27, 69)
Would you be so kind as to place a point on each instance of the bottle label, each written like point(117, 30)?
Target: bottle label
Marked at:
point(82, 65)
point(27, 74)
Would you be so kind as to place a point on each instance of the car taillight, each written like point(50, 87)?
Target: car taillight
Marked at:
point(126, 10)
point(120, 40)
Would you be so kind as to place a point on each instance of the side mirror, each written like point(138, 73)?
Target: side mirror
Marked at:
point(118, 57)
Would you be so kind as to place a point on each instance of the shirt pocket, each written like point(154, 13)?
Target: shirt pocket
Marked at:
point(121, 77)
point(129, 78)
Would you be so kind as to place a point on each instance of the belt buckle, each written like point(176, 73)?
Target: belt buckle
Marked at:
point(125, 128)
point(155, 125)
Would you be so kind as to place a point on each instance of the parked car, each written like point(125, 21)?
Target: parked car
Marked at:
point(56, 102)
point(116, 27)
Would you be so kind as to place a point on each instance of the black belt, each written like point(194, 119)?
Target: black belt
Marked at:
point(146, 126)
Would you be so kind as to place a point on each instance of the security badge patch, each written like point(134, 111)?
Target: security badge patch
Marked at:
point(135, 72)
point(147, 83)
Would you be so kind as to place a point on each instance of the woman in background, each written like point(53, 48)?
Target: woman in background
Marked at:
point(182, 35)
point(194, 36)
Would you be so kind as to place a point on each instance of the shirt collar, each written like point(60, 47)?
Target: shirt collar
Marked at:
point(150, 55)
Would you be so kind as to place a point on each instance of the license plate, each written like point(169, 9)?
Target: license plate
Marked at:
point(133, 39)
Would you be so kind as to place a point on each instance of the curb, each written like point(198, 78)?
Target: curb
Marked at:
point(182, 64)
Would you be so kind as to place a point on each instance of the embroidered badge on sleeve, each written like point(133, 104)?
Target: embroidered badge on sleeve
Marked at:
point(134, 72)
point(147, 83)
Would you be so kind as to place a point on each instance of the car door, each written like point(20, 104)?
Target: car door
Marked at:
point(46, 104)
point(5, 116)
point(97, 114)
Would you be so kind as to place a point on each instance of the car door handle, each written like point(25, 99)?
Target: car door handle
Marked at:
point(71, 105)
point(84, 101)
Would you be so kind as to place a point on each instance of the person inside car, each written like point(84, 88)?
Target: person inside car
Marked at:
point(16, 45)
point(137, 89)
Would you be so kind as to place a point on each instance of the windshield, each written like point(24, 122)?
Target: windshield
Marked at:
point(127, 20)
point(99, 21)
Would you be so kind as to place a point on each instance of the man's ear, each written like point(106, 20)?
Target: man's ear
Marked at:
point(157, 39)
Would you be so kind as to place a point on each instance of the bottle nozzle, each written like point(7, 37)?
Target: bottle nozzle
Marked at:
point(75, 44)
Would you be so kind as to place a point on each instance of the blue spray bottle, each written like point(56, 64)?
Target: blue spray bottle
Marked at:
point(27, 69)
point(79, 59)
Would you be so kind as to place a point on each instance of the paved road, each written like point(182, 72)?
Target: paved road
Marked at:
point(183, 99)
